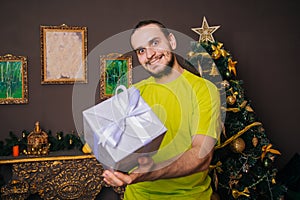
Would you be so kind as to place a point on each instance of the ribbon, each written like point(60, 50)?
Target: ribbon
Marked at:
point(238, 135)
point(235, 110)
point(267, 148)
point(128, 108)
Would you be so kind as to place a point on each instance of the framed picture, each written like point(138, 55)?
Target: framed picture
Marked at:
point(115, 70)
point(63, 54)
point(13, 80)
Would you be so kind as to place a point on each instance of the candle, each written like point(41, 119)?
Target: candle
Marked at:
point(16, 150)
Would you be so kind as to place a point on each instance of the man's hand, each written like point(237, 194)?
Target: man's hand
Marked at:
point(194, 160)
point(115, 178)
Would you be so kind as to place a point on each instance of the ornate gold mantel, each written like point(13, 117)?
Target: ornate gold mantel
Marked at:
point(55, 177)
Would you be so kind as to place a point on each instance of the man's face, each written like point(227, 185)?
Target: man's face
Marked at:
point(153, 50)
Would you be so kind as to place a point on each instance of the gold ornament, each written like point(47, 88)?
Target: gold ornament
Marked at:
point(205, 31)
point(218, 52)
point(273, 181)
point(214, 70)
point(267, 148)
point(254, 141)
point(236, 194)
point(235, 136)
point(200, 68)
point(231, 99)
point(231, 66)
point(238, 145)
point(225, 83)
point(37, 142)
point(249, 109)
point(86, 148)
point(216, 169)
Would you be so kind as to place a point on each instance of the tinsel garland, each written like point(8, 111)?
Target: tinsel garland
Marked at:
point(58, 142)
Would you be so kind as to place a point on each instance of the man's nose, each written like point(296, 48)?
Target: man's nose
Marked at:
point(150, 52)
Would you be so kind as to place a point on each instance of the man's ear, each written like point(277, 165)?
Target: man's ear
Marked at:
point(172, 41)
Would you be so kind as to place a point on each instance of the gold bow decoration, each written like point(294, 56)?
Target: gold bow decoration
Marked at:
point(231, 66)
point(267, 148)
point(218, 52)
point(236, 194)
point(216, 168)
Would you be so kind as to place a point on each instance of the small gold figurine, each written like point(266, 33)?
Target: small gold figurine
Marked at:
point(37, 142)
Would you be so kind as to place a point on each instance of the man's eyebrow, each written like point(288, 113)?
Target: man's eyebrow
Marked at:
point(149, 42)
point(153, 39)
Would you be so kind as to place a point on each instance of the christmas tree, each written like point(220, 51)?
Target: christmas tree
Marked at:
point(243, 162)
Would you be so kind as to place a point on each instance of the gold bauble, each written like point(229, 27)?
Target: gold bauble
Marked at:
point(238, 145)
point(231, 100)
point(86, 148)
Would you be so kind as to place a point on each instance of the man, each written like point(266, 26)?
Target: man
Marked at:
point(189, 107)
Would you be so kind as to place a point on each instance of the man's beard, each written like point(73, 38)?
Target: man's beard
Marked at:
point(166, 71)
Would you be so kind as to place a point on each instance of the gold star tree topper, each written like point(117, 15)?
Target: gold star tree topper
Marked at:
point(205, 31)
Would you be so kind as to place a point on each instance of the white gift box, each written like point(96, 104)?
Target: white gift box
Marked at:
point(121, 129)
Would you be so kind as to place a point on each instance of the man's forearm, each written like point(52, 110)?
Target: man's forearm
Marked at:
point(186, 164)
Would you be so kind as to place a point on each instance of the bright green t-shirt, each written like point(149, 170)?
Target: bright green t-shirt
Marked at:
point(187, 106)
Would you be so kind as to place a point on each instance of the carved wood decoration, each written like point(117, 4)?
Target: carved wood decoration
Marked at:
point(57, 179)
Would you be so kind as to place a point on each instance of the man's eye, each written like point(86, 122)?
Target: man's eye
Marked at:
point(154, 43)
point(140, 51)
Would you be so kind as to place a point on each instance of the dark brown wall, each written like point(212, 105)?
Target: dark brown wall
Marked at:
point(261, 35)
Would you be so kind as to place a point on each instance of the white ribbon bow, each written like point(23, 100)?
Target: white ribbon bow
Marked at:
point(113, 131)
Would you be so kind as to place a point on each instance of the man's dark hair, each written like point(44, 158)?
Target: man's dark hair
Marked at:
point(147, 22)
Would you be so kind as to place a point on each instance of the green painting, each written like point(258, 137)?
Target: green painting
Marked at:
point(116, 70)
point(11, 79)
point(115, 74)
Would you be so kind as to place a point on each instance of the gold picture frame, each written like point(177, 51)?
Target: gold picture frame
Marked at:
point(63, 54)
point(115, 69)
point(13, 79)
